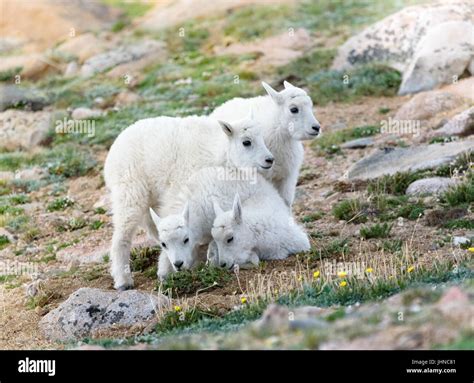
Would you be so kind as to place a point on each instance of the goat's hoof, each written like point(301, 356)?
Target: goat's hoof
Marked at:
point(124, 287)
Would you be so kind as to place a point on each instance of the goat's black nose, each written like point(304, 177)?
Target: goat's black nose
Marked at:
point(316, 128)
point(269, 160)
point(178, 264)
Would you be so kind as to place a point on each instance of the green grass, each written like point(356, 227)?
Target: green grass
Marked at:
point(144, 259)
point(60, 204)
point(19, 199)
point(178, 318)
point(69, 160)
point(190, 281)
point(312, 217)
point(317, 294)
point(4, 241)
point(249, 23)
point(369, 80)
point(96, 224)
point(351, 210)
point(462, 194)
point(376, 231)
point(459, 224)
point(298, 70)
point(337, 247)
point(329, 143)
point(131, 8)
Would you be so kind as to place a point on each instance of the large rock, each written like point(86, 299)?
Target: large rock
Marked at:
point(428, 43)
point(358, 143)
point(392, 160)
point(167, 13)
point(275, 50)
point(43, 23)
point(426, 105)
point(426, 186)
point(26, 65)
point(88, 310)
point(461, 124)
point(122, 55)
point(82, 46)
point(23, 130)
point(17, 96)
point(441, 56)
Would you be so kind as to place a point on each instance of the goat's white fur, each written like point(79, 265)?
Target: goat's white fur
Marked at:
point(189, 217)
point(283, 130)
point(158, 155)
point(255, 230)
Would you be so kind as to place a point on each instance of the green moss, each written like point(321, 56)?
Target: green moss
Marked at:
point(352, 210)
point(190, 281)
point(60, 204)
point(376, 231)
point(312, 217)
point(4, 241)
point(338, 86)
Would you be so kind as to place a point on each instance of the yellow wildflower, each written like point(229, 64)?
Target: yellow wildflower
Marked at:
point(177, 308)
point(471, 249)
point(316, 274)
point(243, 300)
point(411, 268)
point(369, 270)
point(343, 284)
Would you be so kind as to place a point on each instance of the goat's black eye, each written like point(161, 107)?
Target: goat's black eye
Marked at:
point(230, 239)
point(294, 110)
point(246, 143)
point(186, 240)
point(163, 245)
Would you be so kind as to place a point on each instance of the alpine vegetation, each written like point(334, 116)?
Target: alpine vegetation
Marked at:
point(287, 119)
point(158, 155)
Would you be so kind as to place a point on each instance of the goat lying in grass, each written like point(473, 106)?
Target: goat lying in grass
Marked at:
point(251, 232)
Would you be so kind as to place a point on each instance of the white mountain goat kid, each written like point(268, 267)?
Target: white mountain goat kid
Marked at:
point(158, 155)
point(186, 227)
point(286, 118)
point(254, 231)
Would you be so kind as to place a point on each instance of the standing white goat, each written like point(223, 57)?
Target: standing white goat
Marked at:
point(246, 234)
point(286, 118)
point(158, 155)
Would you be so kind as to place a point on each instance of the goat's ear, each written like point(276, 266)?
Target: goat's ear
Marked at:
point(156, 219)
point(251, 114)
point(186, 213)
point(226, 128)
point(237, 209)
point(275, 96)
point(217, 208)
point(287, 85)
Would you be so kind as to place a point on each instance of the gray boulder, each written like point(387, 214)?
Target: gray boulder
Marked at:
point(426, 186)
point(461, 124)
point(89, 309)
point(389, 161)
point(16, 96)
point(427, 43)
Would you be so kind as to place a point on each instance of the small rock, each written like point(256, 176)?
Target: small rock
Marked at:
point(31, 174)
point(458, 241)
point(434, 185)
point(359, 143)
point(124, 54)
point(71, 69)
point(15, 96)
point(460, 125)
point(5, 233)
point(426, 105)
point(85, 113)
point(23, 130)
point(126, 98)
point(89, 309)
